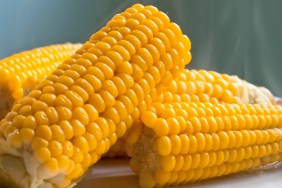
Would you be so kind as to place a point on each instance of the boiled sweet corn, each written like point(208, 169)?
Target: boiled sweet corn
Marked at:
point(121, 85)
point(77, 113)
point(200, 86)
point(20, 73)
point(210, 86)
point(183, 142)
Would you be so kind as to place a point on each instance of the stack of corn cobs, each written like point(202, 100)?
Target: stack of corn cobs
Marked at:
point(126, 92)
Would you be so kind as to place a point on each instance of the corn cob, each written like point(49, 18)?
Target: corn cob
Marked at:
point(21, 72)
point(210, 86)
point(201, 86)
point(194, 141)
point(77, 113)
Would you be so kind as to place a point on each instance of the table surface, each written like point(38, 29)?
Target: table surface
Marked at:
point(110, 173)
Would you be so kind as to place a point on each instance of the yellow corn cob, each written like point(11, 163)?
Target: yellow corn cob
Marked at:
point(210, 86)
point(199, 86)
point(158, 71)
point(21, 72)
point(195, 141)
point(62, 127)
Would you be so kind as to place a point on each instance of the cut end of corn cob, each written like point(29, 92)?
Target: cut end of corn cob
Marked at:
point(176, 147)
point(20, 73)
point(12, 172)
point(79, 111)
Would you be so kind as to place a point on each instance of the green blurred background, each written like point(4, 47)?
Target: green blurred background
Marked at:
point(242, 37)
